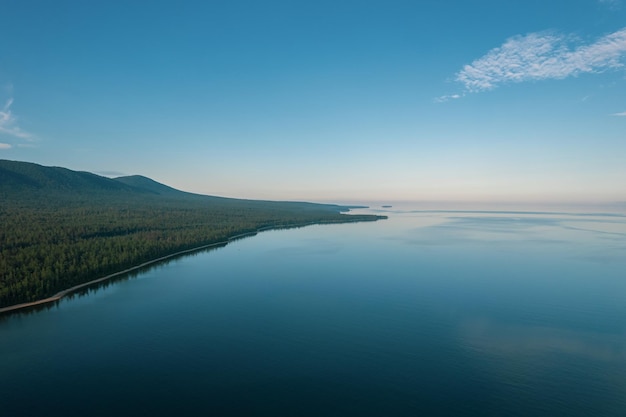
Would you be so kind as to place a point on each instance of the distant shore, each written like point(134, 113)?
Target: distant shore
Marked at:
point(61, 294)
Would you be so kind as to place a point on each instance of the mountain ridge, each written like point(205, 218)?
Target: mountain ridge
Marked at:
point(18, 176)
point(148, 184)
point(24, 181)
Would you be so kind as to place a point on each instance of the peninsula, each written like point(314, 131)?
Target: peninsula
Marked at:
point(64, 229)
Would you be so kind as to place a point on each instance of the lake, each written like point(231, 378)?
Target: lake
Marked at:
point(427, 313)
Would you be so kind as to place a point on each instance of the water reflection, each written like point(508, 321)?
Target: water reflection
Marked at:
point(427, 313)
point(96, 289)
point(489, 337)
point(608, 235)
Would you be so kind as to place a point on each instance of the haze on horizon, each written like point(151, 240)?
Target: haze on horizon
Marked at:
point(518, 102)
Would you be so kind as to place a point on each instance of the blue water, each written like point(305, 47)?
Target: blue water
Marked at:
point(426, 313)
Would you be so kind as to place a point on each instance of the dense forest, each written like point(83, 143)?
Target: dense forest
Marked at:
point(60, 228)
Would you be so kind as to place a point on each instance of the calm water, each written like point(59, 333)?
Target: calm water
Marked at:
point(427, 313)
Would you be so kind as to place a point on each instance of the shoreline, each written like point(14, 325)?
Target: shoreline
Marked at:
point(58, 296)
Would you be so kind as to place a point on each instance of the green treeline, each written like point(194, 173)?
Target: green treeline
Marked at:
point(53, 242)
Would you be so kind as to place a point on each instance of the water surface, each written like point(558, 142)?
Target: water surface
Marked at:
point(426, 313)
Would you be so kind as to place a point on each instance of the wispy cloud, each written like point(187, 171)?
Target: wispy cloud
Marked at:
point(5, 146)
point(442, 99)
point(540, 56)
point(622, 114)
point(612, 4)
point(8, 123)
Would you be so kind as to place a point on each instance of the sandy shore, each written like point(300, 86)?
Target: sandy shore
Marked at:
point(61, 294)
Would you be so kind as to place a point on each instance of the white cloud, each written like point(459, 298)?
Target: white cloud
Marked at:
point(612, 4)
point(443, 99)
point(622, 114)
point(4, 146)
point(8, 123)
point(540, 56)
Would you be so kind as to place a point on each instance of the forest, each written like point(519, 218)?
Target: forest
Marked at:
point(62, 228)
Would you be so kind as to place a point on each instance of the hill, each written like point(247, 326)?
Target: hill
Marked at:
point(63, 228)
point(26, 181)
point(28, 178)
point(147, 184)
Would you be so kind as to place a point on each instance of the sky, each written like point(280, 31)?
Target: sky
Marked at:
point(343, 101)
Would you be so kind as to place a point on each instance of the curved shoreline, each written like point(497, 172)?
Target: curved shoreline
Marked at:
point(61, 294)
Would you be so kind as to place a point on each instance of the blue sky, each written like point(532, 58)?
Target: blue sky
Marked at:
point(346, 101)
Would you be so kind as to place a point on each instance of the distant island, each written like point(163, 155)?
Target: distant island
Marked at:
point(63, 228)
point(386, 206)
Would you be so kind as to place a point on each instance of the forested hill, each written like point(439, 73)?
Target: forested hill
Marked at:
point(24, 179)
point(29, 180)
point(60, 228)
point(146, 184)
